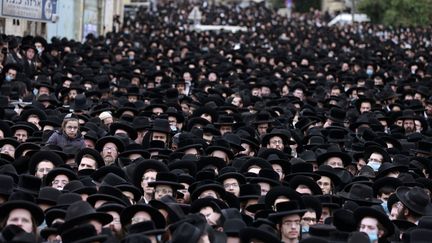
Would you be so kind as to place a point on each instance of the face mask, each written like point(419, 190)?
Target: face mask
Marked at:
point(384, 205)
point(375, 165)
point(8, 78)
point(373, 237)
point(173, 128)
point(131, 58)
point(39, 50)
point(369, 72)
point(305, 228)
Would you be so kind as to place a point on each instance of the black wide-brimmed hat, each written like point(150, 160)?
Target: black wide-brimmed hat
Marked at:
point(423, 147)
point(361, 194)
point(328, 171)
point(110, 139)
point(249, 191)
point(85, 233)
point(123, 125)
point(109, 194)
point(80, 103)
point(205, 185)
point(81, 212)
point(281, 191)
point(415, 199)
point(8, 185)
point(334, 152)
point(160, 125)
point(60, 171)
point(337, 115)
point(300, 180)
point(285, 209)
point(264, 233)
point(29, 184)
point(33, 208)
point(130, 211)
point(222, 145)
point(40, 156)
point(284, 134)
point(91, 152)
point(186, 232)
point(143, 165)
point(383, 219)
point(166, 178)
point(48, 195)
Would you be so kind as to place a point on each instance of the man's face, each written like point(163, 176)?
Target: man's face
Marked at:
point(365, 107)
point(276, 142)
point(309, 218)
point(87, 163)
point(409, 126)
point(231, 185)
point(369, 226)
point(334, 162)
point(21, 135)
point(12, 73)
point(43, 168)
point(290, 227)
point(159, 136)
point(109, 153)
point(163, 190)
point(262, 128)
point(325, 184)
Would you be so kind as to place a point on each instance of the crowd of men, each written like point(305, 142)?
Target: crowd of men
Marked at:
point(292, 131)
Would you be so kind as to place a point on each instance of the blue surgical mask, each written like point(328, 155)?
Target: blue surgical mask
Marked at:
point(375, 165)
point(8, 78)
point(305, 228)
point(39, 50)
point(384, 205)
point(373, 237)
point(369, 72)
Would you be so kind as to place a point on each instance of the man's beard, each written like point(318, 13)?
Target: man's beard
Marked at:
point(108, 160)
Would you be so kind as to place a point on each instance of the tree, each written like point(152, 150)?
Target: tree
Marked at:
point(398, 12)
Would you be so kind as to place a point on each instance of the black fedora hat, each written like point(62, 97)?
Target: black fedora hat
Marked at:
point(85, 233)
point(186, 232)
point(145, 227)
point(166, 178)
point(383, 219)
point(135, 148)
point(301, 180)
point(415, 199)
point(284, 134)
point(222, 145)
point(204, 185)
point(266, 175)
point(249, 191)
point(176, 211)
point(360, 193)
point(60, 171)
point(12, 204)
point(77, 186)
point(255, 162)
point(334, 151)
point(109, 194)
point(328, 171)
point(80, 103)
point(280, 191)
point(232, 227)
point(125, 126)
point(160, 125)
point(336, 114)
point(388, 167)
point(110, 139)
point(46, 155)
point(285, 209)
point(130, 211)
point(81, 212)
point(90, 152)
point(302, 168)
point(264, 233)
point(29, 184)
point(144, 165)
point(48, 195)
point(263, 117)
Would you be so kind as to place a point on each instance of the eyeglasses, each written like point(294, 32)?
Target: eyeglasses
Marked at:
point(163, 191)
point(109, 148)
point(291, 222)
point(135, 220)
point(42, 170)
point(71, 128)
